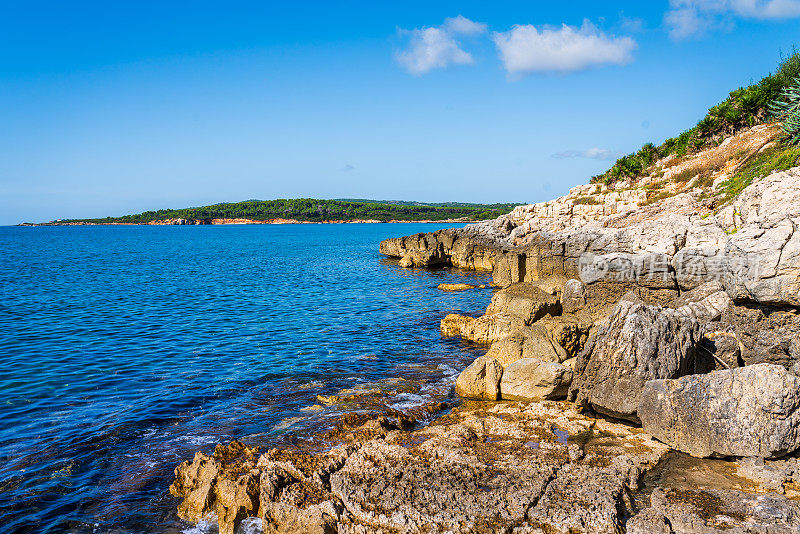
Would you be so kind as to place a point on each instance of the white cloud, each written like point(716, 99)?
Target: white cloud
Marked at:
point(437, 47)
point(693, 18)
point(526, 48)
point(461, 25)
point(591, 153)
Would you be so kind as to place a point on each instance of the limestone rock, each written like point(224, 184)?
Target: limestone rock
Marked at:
point(424, 258)
point(453, 324)
point(568, 332)
point(527, 342)
point(485, 329)
point(709, 308)
point(765, 335)
point(712, 511)
point(480, 380)
point(639, 343)
point(749, 411)
point(573, 298)
point(526, 301)
point(458, 287)
point(208, 487)
point(532, 379)
point(718, 350)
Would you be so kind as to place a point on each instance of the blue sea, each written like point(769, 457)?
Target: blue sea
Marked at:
point(124, 350)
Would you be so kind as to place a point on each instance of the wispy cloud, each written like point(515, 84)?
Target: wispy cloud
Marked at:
point(461, 25)
point(525, 48)
point(591, 153)
point(694, 18)
point(436, 47)
point(347, 168)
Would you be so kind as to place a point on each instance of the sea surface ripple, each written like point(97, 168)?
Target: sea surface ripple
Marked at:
point(123, 350)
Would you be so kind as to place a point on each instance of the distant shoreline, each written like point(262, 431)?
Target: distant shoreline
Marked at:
point(207, 222)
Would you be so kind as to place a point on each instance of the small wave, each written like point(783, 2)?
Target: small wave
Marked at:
point(204, 526)
point(404, 401)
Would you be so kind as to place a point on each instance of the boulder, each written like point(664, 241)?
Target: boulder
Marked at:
point(481, 380)
point(573, 298)
point(526, 301)
point(530, 379)
point(485, 329)
point(637, 344)
point(766, 335)
point(569, 332)
point(748, 411)
point(527, 342)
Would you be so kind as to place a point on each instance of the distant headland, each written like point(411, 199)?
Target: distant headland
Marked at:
point(303, 211)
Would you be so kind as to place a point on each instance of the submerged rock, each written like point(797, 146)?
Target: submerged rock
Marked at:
point(458, 287)
point(639, 343)
point(749, 411)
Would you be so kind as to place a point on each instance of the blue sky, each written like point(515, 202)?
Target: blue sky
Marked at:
point(107, 108)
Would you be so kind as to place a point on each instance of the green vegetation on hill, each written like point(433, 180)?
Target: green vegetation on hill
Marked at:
point(744, 107)
point(778, 158)
point(314, 210)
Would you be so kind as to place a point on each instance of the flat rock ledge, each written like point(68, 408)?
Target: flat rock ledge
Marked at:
point(512, 467)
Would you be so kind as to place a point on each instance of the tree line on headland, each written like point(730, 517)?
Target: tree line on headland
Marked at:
point(316, 210)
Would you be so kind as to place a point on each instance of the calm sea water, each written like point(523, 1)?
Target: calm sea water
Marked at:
point(123, 350)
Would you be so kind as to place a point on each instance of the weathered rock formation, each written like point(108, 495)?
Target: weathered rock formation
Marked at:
point(639, 343)
point(531, 378)
point(481, 380)
point(506, 468)
point(749, 411)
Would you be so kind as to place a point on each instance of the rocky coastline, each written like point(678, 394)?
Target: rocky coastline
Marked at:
point(641, 375)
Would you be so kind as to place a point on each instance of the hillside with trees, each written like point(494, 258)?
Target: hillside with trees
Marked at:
point(315, 210)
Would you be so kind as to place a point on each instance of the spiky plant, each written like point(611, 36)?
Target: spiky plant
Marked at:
point(786, 108)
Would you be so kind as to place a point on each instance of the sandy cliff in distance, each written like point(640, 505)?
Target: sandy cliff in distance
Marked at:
point(645, 338)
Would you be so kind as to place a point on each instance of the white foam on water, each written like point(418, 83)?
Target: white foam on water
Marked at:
point(204, 526)
point(251, 525)
point(408, 400)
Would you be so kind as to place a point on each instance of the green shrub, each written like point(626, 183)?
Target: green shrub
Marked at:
point(786, 108)
point(586, 200)
point(744, 107)
point(771, 160)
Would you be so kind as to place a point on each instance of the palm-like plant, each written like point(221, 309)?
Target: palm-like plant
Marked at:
point(786, 108)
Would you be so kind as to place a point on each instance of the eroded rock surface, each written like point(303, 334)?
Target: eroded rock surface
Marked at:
point(512, 467)
point(481, 380)
point(531, 378)
point(639, 343)
point(749, 411)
